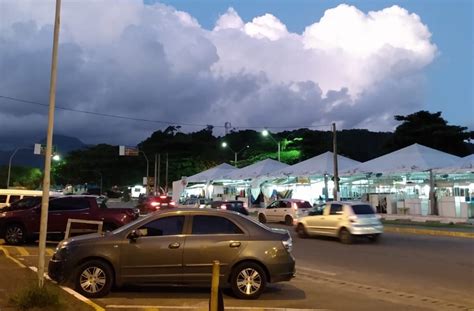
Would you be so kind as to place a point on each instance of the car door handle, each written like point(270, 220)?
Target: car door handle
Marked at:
point(174, 245)
point(234, 244)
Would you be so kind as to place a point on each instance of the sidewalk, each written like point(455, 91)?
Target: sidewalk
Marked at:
point(14, 276)
point(420, 228)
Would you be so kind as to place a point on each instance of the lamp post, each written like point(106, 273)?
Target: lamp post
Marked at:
point(266, 133)
point(10, 166)
point(147, 169)
point(225, 145)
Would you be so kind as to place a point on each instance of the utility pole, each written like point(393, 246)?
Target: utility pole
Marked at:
point(336, 174)
point(147, 171)
point(166, 174)
point(159, 172)
point(154, 186)
point(48, 151)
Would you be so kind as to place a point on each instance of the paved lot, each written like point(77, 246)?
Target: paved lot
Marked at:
point(402, 272)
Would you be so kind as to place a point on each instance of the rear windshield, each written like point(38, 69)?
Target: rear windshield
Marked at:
point(235, 204)
point(362, 209)
point(303, 204)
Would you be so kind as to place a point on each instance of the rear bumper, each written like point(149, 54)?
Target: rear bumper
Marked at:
point(283, 271)
point(367, 230)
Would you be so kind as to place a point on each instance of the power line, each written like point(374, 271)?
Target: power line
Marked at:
point(154, 121)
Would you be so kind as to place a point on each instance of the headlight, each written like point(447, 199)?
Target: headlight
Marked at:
point(288, 244)
point(61, 251)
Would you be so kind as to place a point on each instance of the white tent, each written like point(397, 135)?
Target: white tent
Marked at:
point(414, 158)
point(464, 165)
point(259, 169)
point(217, 172)
point(318, 165)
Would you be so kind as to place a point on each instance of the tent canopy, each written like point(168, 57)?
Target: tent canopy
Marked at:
point(217, 172)
point(414, 158)
point(318, 165)
point(259, 169)
point(464, 165)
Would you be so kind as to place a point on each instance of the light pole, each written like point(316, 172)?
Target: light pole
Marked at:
point(225, 145)
point(10, 166)
point(147, 169)
point(266, 133)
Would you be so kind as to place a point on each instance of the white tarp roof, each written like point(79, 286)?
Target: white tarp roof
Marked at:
point(464, 165)
point(217, 172)
point(414, 158)
point(262, 168)
point(318, 165)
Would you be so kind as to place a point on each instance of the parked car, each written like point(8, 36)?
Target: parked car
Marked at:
point(343, 220)
point(21, 220)
point(284, 210)
point(153, 203)
point(195, 202)
point(177, 247)
point(236, 206)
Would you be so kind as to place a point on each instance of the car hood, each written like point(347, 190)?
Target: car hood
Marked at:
point(86, 238)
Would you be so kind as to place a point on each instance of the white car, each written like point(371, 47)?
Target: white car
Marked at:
point(343, 220)
point(284, 210)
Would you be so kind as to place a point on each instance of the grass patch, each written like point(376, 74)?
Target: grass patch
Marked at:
point(33, 296)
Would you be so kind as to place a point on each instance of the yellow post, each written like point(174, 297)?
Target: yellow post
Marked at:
point(215, 286)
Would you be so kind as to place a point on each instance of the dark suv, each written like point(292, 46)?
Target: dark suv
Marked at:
point(236, 206)
point(21, 220)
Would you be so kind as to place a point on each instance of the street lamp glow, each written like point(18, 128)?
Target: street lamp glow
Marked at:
point(265, 133)
point(56, 157)
point(224, 144)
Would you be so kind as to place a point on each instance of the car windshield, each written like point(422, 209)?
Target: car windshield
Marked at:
point(362, 209)
point(24, 204)
point(303, 204)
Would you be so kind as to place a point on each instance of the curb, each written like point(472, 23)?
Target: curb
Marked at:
point(469, 235)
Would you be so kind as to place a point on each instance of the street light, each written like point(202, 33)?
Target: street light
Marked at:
point(10, 163)
point(225, 145)
point(266, 133)
point(56, 157)
point(147, 169)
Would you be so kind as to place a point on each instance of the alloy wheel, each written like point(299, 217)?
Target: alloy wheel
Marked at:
point(14, 234)
point(249, 281)
point(93, 280)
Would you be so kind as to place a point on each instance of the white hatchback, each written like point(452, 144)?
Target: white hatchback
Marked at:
point(284, 210)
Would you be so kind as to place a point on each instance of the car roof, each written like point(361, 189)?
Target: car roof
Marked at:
point(294, 200)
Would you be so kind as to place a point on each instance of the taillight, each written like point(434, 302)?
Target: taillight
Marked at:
point(172, 203)
point(155, 204)
point(223, 206)
point(295, 207)
point(162, 196)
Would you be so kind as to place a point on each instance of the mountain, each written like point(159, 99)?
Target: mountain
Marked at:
point(26, 157)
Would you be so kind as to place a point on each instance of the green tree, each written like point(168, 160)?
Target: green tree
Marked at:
point(431, 130)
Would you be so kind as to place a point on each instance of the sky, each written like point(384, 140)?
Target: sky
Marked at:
point(128, 68)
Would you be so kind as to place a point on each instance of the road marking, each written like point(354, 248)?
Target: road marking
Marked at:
point(7, 254)
point(148, 307)
point(22, 251)
point(314, 271)
point(469, 235)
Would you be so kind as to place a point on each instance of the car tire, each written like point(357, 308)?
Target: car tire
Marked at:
point(94, 279)
point(301, 231)
point(288, 220)
point(345, 236)
point(262, 218)
point(248, 280)
point(15, 234)
point(374, 238)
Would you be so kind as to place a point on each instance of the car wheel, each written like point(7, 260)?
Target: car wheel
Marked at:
point(262, 218)
point(374, 238)
point(15, 234)
point(94, 279)
point(345, 236)
point(288, 220)
point(301, 230)
point(248, 280)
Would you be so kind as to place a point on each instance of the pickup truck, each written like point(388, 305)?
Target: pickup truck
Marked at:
point(343, 220)
point(20, 221)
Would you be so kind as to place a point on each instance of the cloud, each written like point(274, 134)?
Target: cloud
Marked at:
point(154, 62)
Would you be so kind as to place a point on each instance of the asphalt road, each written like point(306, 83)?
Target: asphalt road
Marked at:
point(402, 272)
